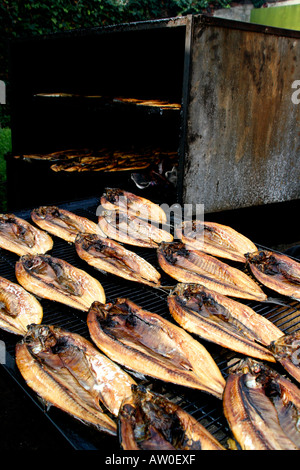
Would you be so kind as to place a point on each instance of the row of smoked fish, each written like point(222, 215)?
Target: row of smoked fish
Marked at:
point(106, 160)
point(92, 380)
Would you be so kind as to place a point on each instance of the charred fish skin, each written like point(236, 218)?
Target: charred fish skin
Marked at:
point(149, 421)
point(55, 279)
point(62, 223)
point(192, 266)
point(215, 239)
point(132, 230)
point(20, 237)
point(108, 255)
point(18, 308)
point(222, 320)
point(124, 201)
point(67, 371)
point(262, 407)
point(150, 345)
point(276, 271)
point(286, 350)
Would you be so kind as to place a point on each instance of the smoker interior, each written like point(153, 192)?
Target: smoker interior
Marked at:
point(65, 91)
point(205, 408)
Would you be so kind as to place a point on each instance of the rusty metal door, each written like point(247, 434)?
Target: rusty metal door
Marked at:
point(242, 143)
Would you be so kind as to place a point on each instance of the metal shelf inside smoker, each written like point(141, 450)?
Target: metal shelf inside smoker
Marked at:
point(205, 408)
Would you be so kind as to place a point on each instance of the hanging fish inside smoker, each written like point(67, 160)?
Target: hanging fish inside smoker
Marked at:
point(192, 266)
point(68, 372)
point(276, 271)
point(18, 308)
point(20, 237)
point(216, 239)
point(63, 223)
point(151, 345)
point(108, 255)
point(222, 320)
point(149, 421)
point(55, 279)
point(262, 407)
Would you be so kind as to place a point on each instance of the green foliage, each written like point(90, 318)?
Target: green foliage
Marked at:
point(5, 147)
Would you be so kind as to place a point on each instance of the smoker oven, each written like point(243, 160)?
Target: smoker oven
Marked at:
point(234, 129)
point(66, 92)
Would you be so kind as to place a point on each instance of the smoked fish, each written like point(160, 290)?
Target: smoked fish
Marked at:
point(151, 345)
point(62, 223)
point(187, 265)
point(108, 255)
point(215, 239)
point(286, 350)
point(262, 407)
point(276, 271)
point(149, 421)
point(20, 237)
point(132, 230)
point(222, 320)
point(136, 206)
point(55, 279)
point(68, 372)
point(18, 308)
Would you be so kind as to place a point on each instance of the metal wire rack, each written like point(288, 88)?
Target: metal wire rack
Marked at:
point(205, 408)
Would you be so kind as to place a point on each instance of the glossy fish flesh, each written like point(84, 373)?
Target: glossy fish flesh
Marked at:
point(108, 255)
point(262, 408)
point(20, 237)
point(149, 421)
point(55, 279)
point(276, 271)
point(222, 320)
point(18, 308)
point(192, 266)
point(286, 350)
point(132, 230)
point(150, 345)
point(216, 239)
point(63, 223)
point(136, 206)
point(68, 372)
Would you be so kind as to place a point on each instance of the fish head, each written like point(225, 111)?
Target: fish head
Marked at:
point(171, 250)
point(112, 194)
point(32, 262)
point(263, 260)
point(14, 227)
point(47, 212)
point(88, 241)
point(37, 338)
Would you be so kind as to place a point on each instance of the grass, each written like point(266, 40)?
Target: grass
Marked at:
point(5, 147)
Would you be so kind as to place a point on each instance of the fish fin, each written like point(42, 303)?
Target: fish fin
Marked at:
point(165, 288)
point(275, 300)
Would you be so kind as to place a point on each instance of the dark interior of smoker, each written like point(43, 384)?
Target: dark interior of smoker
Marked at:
point(98, 66)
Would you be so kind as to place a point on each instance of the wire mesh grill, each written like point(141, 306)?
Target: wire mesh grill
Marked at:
point(205, 408)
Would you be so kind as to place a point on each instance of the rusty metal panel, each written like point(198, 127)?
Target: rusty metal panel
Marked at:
point(242, 144)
